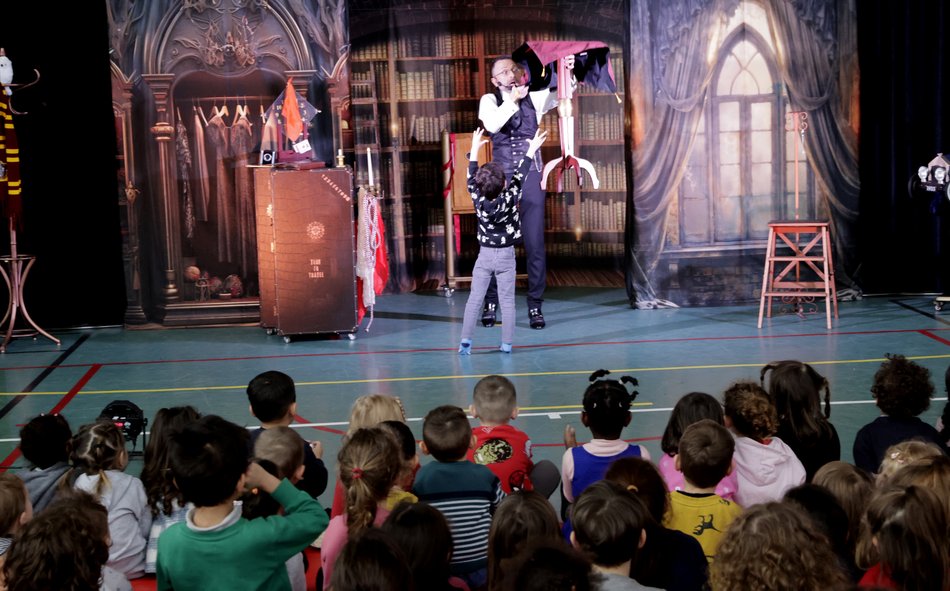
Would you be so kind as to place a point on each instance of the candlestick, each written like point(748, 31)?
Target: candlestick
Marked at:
point(369, 164)
point(340, 162)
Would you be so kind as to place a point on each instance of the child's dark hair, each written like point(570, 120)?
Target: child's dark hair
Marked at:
point(97, 447)
point(45, 440)
point(371, 561)
point(608, 522)
point(641, 478)
point(369, 464)
point(751, 411)
point(607, 404)
point(521, 517)
point(422, 533)
point(447, 433)
point(489, 180)
point(902, 388)
point(795, 388)
point(549, 565)
point(829, 517)
point(406, 444)
point(64, 547)
point(945, 415)
point(494, 398)
point(160, 487)
point(271, 394)
point(12, 502)
point(706, 449)
point(207, 460)
point(690, 408)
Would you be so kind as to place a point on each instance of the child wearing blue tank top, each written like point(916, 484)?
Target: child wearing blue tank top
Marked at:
point(606, 413)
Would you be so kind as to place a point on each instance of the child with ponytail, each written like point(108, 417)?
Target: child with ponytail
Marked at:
point(99, 459)
point(369, 464)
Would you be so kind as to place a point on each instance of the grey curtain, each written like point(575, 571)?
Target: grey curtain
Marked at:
point(808, 32)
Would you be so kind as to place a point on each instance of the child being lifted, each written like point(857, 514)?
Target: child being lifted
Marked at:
point(499, 229)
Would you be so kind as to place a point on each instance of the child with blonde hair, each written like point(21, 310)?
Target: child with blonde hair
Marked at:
point(852, 487)
point(932, 472)
point(99, 458)
point(368, 466)
point(367, 411)
point(765, 466)
point(901, 454)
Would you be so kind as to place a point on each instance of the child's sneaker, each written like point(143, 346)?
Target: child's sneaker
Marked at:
point(505, 348)
point(465, 347)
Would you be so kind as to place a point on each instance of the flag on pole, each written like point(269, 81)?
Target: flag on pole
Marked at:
point(293, 124)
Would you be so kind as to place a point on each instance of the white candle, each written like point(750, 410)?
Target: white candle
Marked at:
point(369, 164)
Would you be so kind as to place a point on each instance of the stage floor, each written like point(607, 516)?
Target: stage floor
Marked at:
point(411, 352)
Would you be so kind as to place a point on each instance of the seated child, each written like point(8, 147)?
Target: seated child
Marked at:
point(64, 547)
point(278, 451)
point(164, 498)
point(852, 488)
point(606, 412)
point(902, 454)
point(765, 466)
point(368, 464)
point(705, 457)
point(522, 517)
point(100, 458)
point(44, 442)
point(409, 462)
point(422, 533)
point(209, 461)
point(499, 228)
point(902, 390)
point(546, 565)
point(609, 528)
point(273, 399)
point(690, 408)
point(372, 562)
point(504, 449)
point(466, 493)
point(15, 510)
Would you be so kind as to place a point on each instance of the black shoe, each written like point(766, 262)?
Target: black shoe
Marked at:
point(536, 318)
point(488, 315)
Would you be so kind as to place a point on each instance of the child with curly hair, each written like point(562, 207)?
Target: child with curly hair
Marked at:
point(775, 547)
point(903, 391)
point(766, 466)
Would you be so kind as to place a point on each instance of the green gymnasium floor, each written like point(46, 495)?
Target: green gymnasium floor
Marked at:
point(410, 352)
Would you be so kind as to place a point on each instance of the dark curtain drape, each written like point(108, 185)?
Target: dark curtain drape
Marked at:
point(680, 34)
point(807, 31)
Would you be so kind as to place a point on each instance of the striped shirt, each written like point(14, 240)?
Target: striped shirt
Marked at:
point(467, 494)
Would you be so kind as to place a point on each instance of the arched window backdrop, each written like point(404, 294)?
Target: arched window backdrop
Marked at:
point(741, 171)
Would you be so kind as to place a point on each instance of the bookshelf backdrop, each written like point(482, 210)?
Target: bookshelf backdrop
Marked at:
point(407, 90)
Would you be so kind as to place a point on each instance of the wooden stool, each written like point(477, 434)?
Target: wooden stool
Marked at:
point(803, 252)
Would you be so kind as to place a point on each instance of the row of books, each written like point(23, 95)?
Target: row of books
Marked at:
point(359, 87)
point(376, 50)
point(434, 250)
point(612, 177)
point(560, 214)
point(600, 126)
point(441, 45)
point(418, 129)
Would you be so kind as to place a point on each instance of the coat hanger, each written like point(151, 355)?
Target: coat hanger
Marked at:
point(200, 113)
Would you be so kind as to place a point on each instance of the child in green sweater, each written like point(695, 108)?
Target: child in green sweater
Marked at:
point(216, 548)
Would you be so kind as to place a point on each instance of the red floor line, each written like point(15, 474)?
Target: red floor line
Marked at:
point(939, 339)
point(300, 419)
point(443, 349)
point(15, 454)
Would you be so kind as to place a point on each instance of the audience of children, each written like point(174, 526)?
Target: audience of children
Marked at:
point(609, 528)
point(368, 465)
point(523, 518)
point(449, 526)
point(775, 547)
point(216, 548)
point(505, 449)
point(99, 459)
point(422, 533)
point(905, 544)
point(66, 546)
point(15, 510)
point(902, 390)
point(163, 497)
point(273, 402)
point(704, 458)
point(669, 559)
point(795, 388)
point(765, 466)
point(44, 443)
point(465, 492)
point(367, 411)
point(692, 407)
